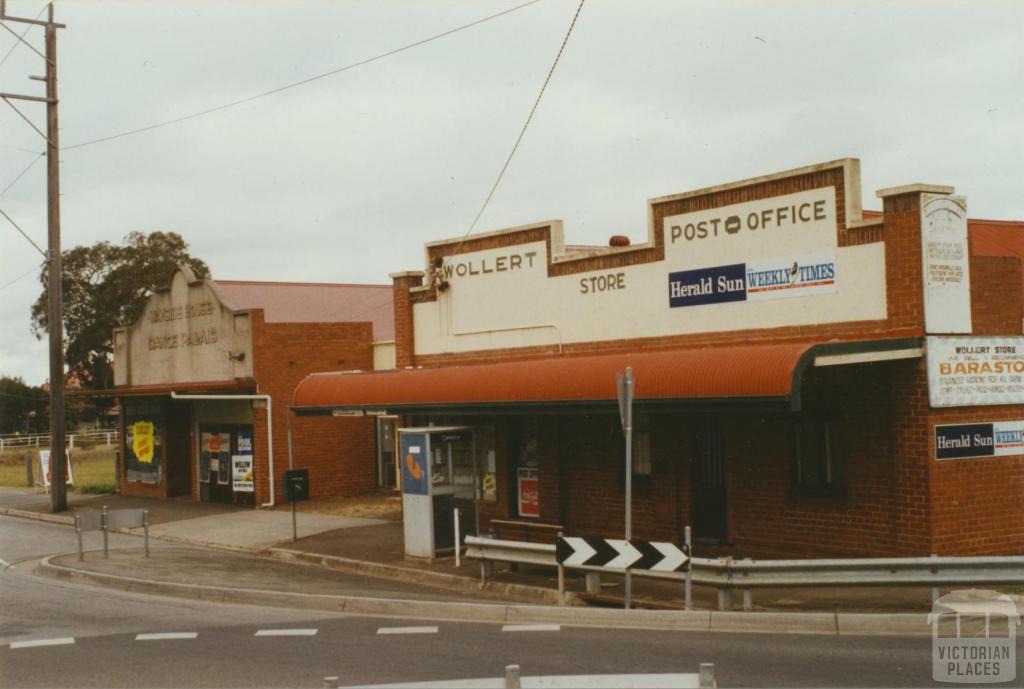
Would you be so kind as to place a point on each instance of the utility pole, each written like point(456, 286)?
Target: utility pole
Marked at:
point(55, 310)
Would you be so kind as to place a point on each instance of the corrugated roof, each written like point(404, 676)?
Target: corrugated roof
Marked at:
point(751, 372)
point(315, 302)
point(996, 237)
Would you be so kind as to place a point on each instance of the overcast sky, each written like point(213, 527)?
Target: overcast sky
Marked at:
point(345, 178)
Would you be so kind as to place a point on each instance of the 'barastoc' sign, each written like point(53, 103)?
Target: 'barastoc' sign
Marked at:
point(995, 439)
point(771, 278)
point(964, 371)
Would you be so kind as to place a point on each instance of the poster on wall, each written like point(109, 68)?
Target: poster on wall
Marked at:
point(44, 466)
point(967, 371)
point(241, 463)
point(142, 450)
point(241, 474)
point(992, 439)
point(945, 264)
point(529, 492)
point(223, 456)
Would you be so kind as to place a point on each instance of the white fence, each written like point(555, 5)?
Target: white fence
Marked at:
point(94, 437)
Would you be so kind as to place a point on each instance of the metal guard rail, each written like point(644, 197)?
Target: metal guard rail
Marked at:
point(727, 574)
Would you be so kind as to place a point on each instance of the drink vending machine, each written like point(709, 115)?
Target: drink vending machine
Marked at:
point(438, 467)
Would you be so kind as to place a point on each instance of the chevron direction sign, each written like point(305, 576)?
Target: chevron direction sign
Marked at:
point(618, 554)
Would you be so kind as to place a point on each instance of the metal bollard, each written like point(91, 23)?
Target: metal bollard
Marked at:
point(707, 676)
point(593, 582)
point(688, 586)
point(725, 599)
point(103, 526)
point(512, 679)
point(145, 528)
point(29, 479)
point(458, 539)
point(748, 600)
point(78, 532)
point(935, 589)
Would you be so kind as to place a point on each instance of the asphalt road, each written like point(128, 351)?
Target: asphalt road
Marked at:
point(221, 645)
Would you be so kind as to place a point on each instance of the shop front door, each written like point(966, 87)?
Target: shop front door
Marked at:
point(215, 464)
point(708, 492)
point(386, 469)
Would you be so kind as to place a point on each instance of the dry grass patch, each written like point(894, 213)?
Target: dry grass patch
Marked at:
point(93, 469)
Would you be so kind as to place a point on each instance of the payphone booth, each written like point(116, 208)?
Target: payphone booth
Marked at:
point(437, 469)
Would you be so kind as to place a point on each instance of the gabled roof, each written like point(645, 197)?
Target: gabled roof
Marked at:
point(316, 302)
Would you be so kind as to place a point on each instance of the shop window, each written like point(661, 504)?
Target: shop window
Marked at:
point(143, 436)
point(818, 464)
point(641, 445)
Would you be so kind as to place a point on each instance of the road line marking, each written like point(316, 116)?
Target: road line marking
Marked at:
point(532, 628)
point(286, 632)
point(162, 636)
point(407, 630)
point(43, 642)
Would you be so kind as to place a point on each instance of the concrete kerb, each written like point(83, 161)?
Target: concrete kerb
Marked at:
point(797, 623)
point(38, 516)
point(532, 594)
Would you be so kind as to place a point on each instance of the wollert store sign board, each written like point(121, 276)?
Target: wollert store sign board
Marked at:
point(995, 439)
point(967, 371)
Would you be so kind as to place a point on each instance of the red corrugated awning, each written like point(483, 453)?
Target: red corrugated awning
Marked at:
point(767, 373)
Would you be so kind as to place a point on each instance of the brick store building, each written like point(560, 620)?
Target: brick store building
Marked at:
point(811, 379)
point(206, 376)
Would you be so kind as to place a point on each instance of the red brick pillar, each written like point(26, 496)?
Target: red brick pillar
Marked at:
point(903, 271)
point(405, 337)
point(261, 456)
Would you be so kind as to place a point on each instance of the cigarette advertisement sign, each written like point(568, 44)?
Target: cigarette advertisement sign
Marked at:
point(947, 280)
point(44, 465)
point(768, 278)
point(995, 439)
point(966, 371)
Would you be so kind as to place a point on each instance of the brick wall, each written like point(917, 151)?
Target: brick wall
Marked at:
point(340, 453)
point(977, 503)
point(995, 295)
point(899, 500)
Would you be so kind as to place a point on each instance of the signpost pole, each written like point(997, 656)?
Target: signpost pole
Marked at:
point(295, 529)
point(688, 592)
point(625, 389)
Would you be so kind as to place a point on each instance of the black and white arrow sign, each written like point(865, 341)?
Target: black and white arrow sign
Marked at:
point(618, 554)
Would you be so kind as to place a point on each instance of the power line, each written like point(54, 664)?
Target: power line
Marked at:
point(23, 234)
point(22, 173)
point(302, 82)
point(21, 38)
point(22, 276)
point(526, 124)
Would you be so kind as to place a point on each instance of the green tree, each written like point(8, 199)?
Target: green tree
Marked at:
point(106, 285)
point(23, 408)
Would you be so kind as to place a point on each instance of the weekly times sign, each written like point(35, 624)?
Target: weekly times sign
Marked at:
point(771, 278)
